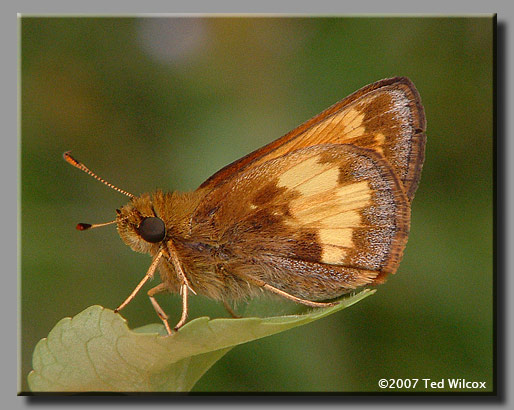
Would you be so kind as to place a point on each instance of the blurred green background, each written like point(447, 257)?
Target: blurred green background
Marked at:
point(165, 102)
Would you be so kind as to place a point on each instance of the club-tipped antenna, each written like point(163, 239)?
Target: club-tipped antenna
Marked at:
point(77, 164)
point(83, 226)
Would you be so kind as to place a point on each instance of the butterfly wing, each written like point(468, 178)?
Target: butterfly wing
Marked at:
point(386, 117)
point(315, 222)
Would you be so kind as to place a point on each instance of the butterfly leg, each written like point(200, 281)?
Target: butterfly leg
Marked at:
point(230, 310)
point(162, 315)
point(298, 300)
point(185, 287)
point(286, 295)
point(184, 292)
point(149, 275)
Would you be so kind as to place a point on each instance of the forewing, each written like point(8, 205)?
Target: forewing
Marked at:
point(386, 117)
point(333, 213)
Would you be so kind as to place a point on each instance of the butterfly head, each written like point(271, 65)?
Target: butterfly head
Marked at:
point(139, 225)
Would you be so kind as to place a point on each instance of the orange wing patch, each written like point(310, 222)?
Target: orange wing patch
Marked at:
point(326, 204)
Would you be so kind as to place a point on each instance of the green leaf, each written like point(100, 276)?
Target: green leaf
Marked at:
point(96, 351)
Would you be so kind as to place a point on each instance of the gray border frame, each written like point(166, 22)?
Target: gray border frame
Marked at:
point(504, 200)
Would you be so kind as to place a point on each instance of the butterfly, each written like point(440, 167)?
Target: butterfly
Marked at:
point(313, 215)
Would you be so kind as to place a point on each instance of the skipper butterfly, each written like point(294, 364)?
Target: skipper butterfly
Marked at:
point(313, 215)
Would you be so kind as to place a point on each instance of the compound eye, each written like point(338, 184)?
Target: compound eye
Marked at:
point(152, 229)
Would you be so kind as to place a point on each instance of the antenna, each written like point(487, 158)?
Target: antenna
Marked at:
point(77, 164)
point(83, 226)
